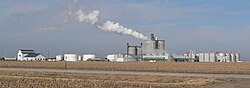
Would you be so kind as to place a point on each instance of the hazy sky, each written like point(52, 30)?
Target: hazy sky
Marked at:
point(199, 25)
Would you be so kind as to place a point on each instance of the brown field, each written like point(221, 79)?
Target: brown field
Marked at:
point(20, 79)
point(179, 67)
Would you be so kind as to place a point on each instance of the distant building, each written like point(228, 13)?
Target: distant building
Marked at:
point(120, 58)
point(9, 58)
point(29, 55)
point(219, 57)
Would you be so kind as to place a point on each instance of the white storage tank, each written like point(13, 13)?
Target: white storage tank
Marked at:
point(212, 57)
point(237, 57)
point(111, 57)
point(233, 57)
point(206, 57)
point(201, 57)
point(228, 57)
point(70, 57)
point(88, 56)
point(161, 44)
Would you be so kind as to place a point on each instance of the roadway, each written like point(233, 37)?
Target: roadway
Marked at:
point(128, 72)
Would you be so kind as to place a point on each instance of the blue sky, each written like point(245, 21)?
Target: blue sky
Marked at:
point(199, 25)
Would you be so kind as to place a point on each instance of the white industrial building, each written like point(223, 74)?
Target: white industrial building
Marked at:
point(120, 58)
point(75, 57)
point(154, 46)
point(87, 57)
point(29, 55)
point(70, 57)
point(151, 50)
point(219, 57)
point(208, 57)
point(59, 57)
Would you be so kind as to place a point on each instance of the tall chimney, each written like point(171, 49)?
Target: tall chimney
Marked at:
point(152, 37)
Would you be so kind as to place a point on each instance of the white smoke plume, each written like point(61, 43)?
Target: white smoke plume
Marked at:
point(69, 15)
point(117, 28)
point(91, 18)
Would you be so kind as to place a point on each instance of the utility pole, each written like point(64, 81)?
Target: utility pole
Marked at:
point(65, 65)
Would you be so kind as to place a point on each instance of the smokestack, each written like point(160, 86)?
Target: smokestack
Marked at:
point(152, 37)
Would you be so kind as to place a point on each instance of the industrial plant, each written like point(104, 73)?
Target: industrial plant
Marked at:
point(152, 50)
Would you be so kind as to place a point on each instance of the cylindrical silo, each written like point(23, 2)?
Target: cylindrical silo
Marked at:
point(228, 57)
point(160, 47)
point(132, 50)
point(212, 57)
point(237, 57)
point(161, 44)
point(149, 47)
point(206, 57)
point(201, 57)
point(233, 57)
point(70, 57)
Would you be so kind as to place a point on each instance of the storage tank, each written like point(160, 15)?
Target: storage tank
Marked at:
point(201, 57)
point(206, 57)
point(212, 57)
point(237, 57)
point(132, 50)
point(139, 51)
point(70, 57)
point(111, 57)
point(228, 57)
point(88, 56)
point(233, 57)
point(149, 47)
point(161, 44)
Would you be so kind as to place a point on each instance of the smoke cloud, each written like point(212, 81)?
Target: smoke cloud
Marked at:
point(92, 17)
point(117, 28)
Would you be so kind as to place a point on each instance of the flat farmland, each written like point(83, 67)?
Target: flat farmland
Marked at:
point(173, 67)
point(29, 79)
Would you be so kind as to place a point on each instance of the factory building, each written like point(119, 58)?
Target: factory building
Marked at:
point(70, 57)
point(76, 57)
point(219, 57)
point(151, 50)
point(187, 57)
point(207, 57)
point(154, 46)
point(29, 55)
point(87, 57)
point(120, 58)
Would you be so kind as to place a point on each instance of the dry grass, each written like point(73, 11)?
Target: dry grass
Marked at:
point(180, 67)
point(19, 79)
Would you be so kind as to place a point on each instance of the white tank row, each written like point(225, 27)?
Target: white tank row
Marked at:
point(219, 57)
point(75, 57)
